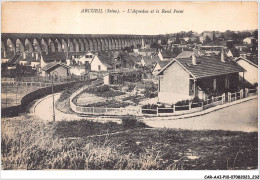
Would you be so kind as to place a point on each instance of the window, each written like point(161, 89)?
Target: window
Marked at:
point(214, 84)
point(99, 67)
point(227, 82)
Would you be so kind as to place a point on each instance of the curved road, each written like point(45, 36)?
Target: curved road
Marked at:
point(43, 109)
point(239, 117)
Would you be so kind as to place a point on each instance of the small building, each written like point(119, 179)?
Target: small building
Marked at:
point(166, 55)
point(185, 54)
point(147, 61)
point(61, 69)
point(158, 66)
point(81, 57)
point(102, 62)
point(48, 57)
point(251, 67)
point(249, 40)
point(197, 77)
point(233, 52)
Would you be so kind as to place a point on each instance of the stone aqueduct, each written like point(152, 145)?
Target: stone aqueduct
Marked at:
point(22, 42)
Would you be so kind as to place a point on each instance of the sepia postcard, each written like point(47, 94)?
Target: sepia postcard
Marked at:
point(134, 85)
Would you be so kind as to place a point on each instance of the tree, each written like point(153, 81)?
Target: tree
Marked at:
point(207, 40)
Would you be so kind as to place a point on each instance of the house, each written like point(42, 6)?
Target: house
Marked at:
point(187, 78)
point(61, 69)
point(147, 61)
point(184, 54)
point(249, 40)
point(147, 52)
point(48, 57)
point(233, 52)
point(158, 66)
point(29, 59)
point(251, 67)
point(103, 61)
point(166, 55)
point(81, 57)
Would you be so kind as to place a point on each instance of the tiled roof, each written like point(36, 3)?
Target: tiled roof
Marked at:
point(52, 65)
point(53, 56)
point(207, 67)
point(76, 53)
point(250, 59)
point(107, 59)
point(151, 60)
point(168, 54)
point(163, 63)
point(185, 54)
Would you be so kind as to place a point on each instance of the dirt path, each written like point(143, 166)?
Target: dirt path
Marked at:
point(239, 117)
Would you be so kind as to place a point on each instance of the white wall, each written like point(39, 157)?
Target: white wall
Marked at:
point(156, 69)
point(95, 63)
point(251, 74)
point(174, 84)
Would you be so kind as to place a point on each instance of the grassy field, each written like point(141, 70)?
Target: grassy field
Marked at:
point(28, 143)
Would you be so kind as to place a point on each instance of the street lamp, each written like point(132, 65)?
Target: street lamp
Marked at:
point(54, 75)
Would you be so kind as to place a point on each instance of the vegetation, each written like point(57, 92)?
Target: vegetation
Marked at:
point(104, 91)
point(108, 104)
point(28, 143)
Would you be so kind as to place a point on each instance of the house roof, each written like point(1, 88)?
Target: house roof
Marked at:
point(53, 56)
point(107, 59)
point(206, 67)
point(13, 59)
point(251, 60)
point(185, 54)
point(234, 51)
point(76, 53)
point(151, 60)
point(51, 65)
point(168, 54)
point(148, 50)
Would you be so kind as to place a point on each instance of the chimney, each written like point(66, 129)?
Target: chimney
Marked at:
point(4, 54)
point(222, 56)
point(32, 54)
point(36, 56)
point(194, 60)
point(24, 55)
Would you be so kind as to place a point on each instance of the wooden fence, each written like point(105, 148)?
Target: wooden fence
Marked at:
point(174, 110)
point(195, 107)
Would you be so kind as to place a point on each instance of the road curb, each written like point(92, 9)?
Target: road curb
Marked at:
point(200, 113)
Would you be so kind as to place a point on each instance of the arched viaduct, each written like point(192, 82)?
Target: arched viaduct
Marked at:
point(24, 42)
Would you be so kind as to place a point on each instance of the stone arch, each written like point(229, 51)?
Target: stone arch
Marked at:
point(99, 45)
point(44, 45)
point(64, 46)
point(28, 46)
point(103, 45)
point(76, 45)
point(19, 46)
point(57, 45)
point(70, 46)
point(86, 45)
point(81, 45)
point(10, 45)
point(36, 45)
point(95, 44)
point(51, 45)
point(116, 44)
point(91, 45)
point(110, 46)
point(3, 47)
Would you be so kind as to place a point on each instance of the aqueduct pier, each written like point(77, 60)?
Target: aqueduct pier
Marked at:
point(25, 42)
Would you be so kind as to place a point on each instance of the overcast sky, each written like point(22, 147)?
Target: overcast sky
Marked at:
point(66, 17)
